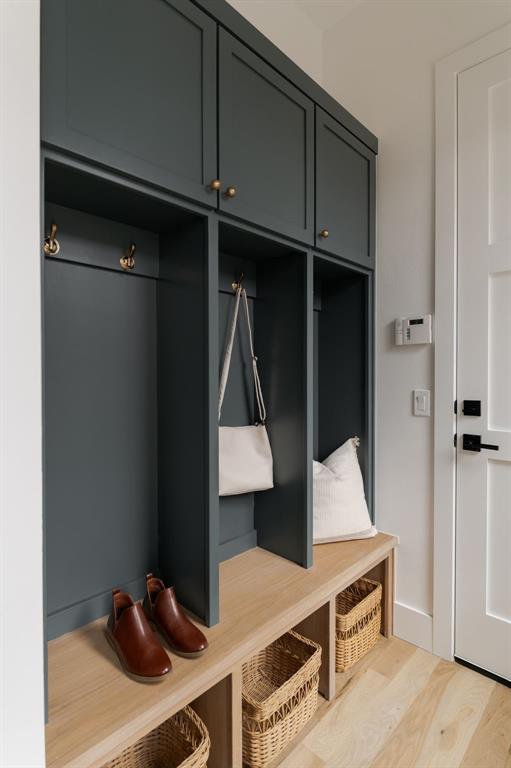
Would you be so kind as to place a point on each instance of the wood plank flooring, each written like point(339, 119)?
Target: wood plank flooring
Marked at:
point(402, 707)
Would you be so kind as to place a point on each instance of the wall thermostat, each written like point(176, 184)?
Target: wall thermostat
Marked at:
point(413, 330)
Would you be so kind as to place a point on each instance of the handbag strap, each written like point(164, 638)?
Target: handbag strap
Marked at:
point(241, 294)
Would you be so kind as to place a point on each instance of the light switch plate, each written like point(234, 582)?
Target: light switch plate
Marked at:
point(421, 402)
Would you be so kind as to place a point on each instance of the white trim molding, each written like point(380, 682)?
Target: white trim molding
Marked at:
point(21, 518)
point(413, 625)
point(446, 79)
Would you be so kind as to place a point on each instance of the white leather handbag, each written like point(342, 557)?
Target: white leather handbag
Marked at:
point(245, 457)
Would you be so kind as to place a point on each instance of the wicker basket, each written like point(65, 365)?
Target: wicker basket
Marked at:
point(357, 622)
point(280, 694)
point(182, 741)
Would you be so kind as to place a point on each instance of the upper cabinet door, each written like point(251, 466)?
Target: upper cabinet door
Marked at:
point(131, 84)
point(266, 148)
point(345, 192)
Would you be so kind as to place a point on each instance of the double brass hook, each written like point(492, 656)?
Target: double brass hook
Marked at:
point(51, 245)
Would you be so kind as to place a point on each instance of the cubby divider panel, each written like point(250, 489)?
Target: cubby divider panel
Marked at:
point(188, 501)
point(219, 708)
point(283, 515)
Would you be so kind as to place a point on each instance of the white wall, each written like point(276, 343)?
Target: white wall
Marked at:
point(21, 599)
point(378, 62)
point(289, 29)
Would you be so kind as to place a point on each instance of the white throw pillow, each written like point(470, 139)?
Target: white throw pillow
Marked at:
point(340, 508)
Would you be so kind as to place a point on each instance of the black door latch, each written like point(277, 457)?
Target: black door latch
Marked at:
point(473, 443)
point(471, 407)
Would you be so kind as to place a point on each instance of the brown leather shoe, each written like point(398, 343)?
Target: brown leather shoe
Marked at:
point(132, 638)
point(162, 608)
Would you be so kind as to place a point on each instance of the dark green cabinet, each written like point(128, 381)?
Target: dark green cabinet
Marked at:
point(132, 86)
point(266, 144)
point(144, 104)
point(345, 192)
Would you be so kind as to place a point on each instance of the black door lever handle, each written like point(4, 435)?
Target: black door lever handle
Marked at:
point(473, 443)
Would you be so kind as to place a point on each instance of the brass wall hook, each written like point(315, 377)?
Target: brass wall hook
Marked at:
point(237, 283)
point(51, 245)
point(128, 260)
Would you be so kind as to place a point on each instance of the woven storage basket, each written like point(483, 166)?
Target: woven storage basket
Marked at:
point(182, 741)
point(280, 694)
point(357, 622)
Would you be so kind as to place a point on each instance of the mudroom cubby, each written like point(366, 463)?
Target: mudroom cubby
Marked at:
point(274, 274)
point(128, 422)
point(343, 362)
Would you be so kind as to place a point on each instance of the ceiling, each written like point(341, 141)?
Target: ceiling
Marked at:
point(327, 13)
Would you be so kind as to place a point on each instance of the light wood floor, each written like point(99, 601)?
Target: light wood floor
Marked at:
point(404, 708)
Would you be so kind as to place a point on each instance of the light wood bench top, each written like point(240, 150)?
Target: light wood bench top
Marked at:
point(95, 711)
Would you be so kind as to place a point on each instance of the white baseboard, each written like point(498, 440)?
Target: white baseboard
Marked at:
point(413, 626)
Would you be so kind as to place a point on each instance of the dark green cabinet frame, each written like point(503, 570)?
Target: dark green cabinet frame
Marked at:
point(295, 158)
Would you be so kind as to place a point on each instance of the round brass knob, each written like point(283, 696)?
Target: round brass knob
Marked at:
point(324, 233)
point(230, 192)
point(215, 185)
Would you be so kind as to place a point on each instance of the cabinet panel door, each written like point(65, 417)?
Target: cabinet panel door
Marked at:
point(345, 192)
point(266, 143)
point(131, 84)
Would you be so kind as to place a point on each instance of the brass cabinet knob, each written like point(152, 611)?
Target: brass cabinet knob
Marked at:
point(215, 185)
point(324, 233)
point(230, 192)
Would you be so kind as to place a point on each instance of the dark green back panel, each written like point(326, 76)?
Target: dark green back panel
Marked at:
point(132, 84)
point(345, 192)
point(237, 528)
point(100, 438)
point(266, 143)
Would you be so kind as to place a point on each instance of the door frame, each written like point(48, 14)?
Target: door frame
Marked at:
point(446, 265)
point(21, 517)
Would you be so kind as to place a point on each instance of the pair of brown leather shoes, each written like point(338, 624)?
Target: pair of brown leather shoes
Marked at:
point(129, 632)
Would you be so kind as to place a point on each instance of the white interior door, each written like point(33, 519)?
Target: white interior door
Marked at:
point(483, 509)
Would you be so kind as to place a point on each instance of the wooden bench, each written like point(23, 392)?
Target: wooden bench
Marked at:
point(95, 711)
